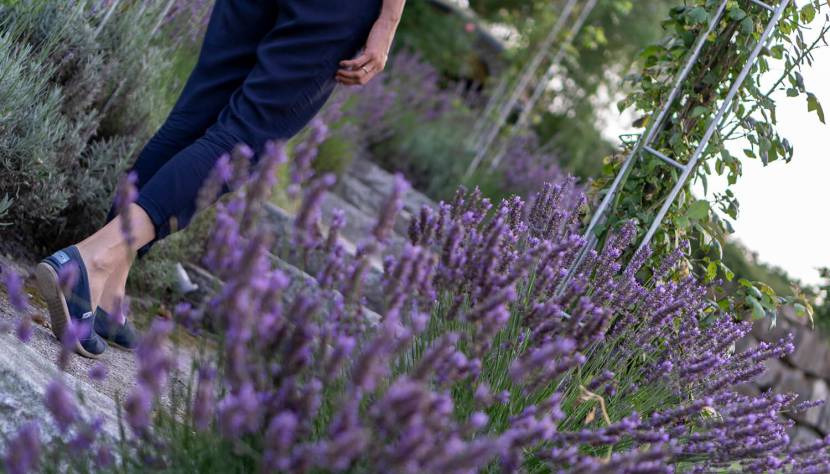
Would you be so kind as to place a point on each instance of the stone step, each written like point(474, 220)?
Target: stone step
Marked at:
point(359, 223)
point(25, 372)
point(26, 369)
point(300, 281)
point(282, 223)
point(366, 186)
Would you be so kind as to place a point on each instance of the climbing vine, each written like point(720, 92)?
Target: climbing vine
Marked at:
point(751, 121)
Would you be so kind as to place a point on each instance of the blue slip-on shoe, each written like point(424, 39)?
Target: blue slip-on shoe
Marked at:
point(123, 336)
point(72, 306)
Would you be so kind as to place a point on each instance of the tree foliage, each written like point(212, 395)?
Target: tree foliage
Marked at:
point(79, 93)
point(588, 79)
point(752, 119)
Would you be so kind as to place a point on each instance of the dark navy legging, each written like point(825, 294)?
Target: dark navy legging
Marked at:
point(265, 69)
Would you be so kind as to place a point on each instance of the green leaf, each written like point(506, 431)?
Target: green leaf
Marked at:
point(757, 310)
point(814, 105)
point(765, 289)
point(747, 26)
point(697, 15)
point(711, 271)
point(808, 13)
point(652, 50)
point(727, 272)
point(737, 14)
point(716, 247)
point(699, 111)
point(698, 210)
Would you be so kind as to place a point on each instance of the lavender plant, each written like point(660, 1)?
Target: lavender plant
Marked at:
point(476, 364)
point(415, 121)
point(86, 86)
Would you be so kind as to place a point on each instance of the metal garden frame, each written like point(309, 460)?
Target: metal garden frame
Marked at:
point(529, 72)
point(542, 86)
point(646, 140)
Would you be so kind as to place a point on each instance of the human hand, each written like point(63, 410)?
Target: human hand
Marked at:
point(372, 60)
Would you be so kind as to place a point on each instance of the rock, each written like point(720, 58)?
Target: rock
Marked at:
point(762, 331)
point(812, 353)
point(24, 376)
point(359, 224)
point(299, 282)
point(795, 382)
point(821, 391)
point(27, 368)
point(802, 435)
point(823, 424)
point(748, 342)
point(772, 374)
point(282, 223)
point(748, 389)
point(367, 186)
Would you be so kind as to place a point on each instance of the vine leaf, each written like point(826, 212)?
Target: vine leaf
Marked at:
point(698, 15)
point(758, 311)
point(747, 26)
point(814, 105)
point(698, 210)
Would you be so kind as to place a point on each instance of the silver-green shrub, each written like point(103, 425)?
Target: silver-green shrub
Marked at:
point(80, 92)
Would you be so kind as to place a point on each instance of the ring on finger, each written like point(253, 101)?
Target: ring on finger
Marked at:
point(364, 69)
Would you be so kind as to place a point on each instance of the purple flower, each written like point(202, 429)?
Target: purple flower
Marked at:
point(307, 233)
point(280, 437)
point(481, 358)
point(393, 205)
point(61, 404)
point(154, 359)
point(85, 436)
point(204, 402)
point(14, 288)
point(138, 408)
point(24, 329)
point(68, 276)
point(304, 154)
point(125, 195)
point(240, 413)
point(103, 457)
point(98, 372)
point(219, 176)
point(189, 317)
point(22, 454)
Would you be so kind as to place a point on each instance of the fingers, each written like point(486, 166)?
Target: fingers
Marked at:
point(360, 70)
point(357, 62)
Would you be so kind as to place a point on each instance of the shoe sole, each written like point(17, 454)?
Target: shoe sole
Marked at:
point(119, 346)
point(50, 289)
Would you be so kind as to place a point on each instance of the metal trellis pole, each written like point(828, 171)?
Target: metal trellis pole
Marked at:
point(713, 124)
point(524, 80)
point(107, 16)
point(492, 103)
point(527, 111)
point(646, 140)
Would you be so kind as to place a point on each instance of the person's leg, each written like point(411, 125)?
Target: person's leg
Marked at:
point(107, 252)
point(228, 53)
point(293, 77)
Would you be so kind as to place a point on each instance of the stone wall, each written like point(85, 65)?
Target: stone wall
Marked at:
point(805, 372)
